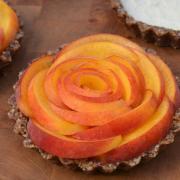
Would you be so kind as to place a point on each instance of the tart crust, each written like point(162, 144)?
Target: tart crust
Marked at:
point(154, 34)
point(6, 55)
point(90, 164)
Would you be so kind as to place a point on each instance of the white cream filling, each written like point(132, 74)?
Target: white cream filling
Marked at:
point(162, 13)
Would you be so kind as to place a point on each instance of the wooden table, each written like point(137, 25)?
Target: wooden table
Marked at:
point(47, 25)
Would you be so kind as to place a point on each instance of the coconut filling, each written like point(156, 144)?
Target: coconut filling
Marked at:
point(161, 13)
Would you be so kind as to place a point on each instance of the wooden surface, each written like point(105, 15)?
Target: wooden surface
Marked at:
point(47, 24)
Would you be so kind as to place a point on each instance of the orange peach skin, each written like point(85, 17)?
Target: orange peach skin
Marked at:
point(145, 137)
point(65, 147)
point(23, 84)
point(9, 23)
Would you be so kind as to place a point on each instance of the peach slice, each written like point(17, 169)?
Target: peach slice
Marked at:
point(23, 84)
point(102, 38)
point(9, 23)
point(90, 118)
point(171, 89)
point(125, 123)
point(132, 67)
point(41, 109)
point(145, 137)
point(97, 50)
point(153, 79)
point(66, 147)
point(136, 82)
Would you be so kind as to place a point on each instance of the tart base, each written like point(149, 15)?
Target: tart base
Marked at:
point(90, 164)
point(6, 55)
point(154, 34)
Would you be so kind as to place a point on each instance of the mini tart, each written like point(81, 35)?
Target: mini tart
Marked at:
point(162, 35)
point(100, 103)
point(10, 33)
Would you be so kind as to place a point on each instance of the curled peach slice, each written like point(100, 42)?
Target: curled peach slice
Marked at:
point(67, 147)
point(91, 118)
point(97, 50)
point(102, 38)
point(144, 137)
point(124, 123)
point(41, 109)
point(171, 89)
point(152, 77)
point(23, 84)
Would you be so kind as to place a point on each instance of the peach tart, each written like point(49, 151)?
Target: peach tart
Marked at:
point(10, 33)
point(101, 102)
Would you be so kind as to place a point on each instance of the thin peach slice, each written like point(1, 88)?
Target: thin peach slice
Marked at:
point(153, 79)
point(132, 67)
point(90, 118)
point(129, 70)
point(125, 123)
point(97, 50)
point(102, 38)
point(144, 137)
point(171, 88)
point(66, 147)
point(23, 84)
point(41, 109)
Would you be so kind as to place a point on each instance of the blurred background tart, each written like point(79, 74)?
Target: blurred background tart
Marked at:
point(155, 21)
point(10, 33)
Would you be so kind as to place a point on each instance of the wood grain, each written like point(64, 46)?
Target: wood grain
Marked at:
point(47, 25)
